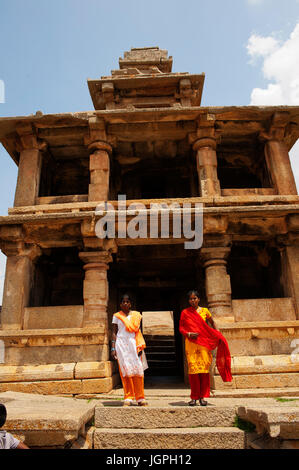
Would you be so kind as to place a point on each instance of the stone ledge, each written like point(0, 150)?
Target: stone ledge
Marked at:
point(62, 387)
point(54, 337)
point(45, 421)
point(263, 364)
point(255, 381)
point(160, 417)
point(277, 422)
point(81, 370)
point(184, 438)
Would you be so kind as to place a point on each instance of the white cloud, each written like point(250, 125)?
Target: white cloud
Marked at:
point(280, 67)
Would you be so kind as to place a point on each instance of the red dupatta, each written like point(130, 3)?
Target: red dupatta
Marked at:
point(191, 321)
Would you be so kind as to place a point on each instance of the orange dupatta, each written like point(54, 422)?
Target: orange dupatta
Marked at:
point(133, 326)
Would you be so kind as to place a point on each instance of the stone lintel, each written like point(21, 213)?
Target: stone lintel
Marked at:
point(20, 248)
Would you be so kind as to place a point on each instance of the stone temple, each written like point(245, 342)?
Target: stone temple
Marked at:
point(149, 139)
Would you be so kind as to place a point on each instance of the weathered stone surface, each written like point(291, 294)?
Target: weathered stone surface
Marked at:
point(157, 323)
point(267, 380)
point(188, 438)
point(45, 387)
point(43, 420)
point(262, 364)
point(267, 309)
point(100, 385)
point(53, 355)
point(162, 417)
point(278, 421)
point(89, 370)
point(62, 387)
point(254, 347)
point(31, 373)
point(69, 316)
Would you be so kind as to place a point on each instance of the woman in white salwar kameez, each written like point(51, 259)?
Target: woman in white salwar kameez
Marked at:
point(128, 348)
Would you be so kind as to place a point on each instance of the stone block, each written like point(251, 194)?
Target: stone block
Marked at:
point(283, 345)
point(246, 310)
point(162, 417)
point(188, 438)
point(267, 380)
point(220, 385)
point(43, 421)
point(45, 387)
point(69, 316)
point(263, 364)
point(56, 354)
point(89, 370)
point(157, 323)
point(36, 372)
point(250, 347)
point(103, 385)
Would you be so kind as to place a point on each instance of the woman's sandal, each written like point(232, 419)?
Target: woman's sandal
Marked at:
point(192, 403)
point(127, 403)
point(203, 402)
point(143, 403)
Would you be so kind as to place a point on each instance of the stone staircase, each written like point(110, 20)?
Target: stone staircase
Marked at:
point(177, 426)
point(161, 355)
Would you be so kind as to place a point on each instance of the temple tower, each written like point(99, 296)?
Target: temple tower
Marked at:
point(150, 140)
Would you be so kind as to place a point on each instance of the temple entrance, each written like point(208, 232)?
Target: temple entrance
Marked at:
point(157, 278)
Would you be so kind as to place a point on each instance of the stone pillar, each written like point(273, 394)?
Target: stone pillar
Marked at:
point(99, 167)
point(218, 286)
point(206, 160)
point(292, 254)
point(278, 162)
point(18, 282)
point(95, 287)
point(30, 163)
point(277, 155)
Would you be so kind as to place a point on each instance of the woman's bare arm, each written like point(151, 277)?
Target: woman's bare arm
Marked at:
point(113, 339)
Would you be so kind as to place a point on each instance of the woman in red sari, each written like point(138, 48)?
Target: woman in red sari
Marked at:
point(201, 337)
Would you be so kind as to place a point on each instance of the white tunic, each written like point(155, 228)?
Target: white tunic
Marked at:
point(129, 362)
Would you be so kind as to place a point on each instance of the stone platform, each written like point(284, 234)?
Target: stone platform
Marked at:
point(168, 422)
point(46, 421)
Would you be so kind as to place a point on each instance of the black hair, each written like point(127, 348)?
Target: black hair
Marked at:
point(195, 292)
point(125, 296)
point(3, 414)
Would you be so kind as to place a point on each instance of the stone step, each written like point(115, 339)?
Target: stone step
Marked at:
point(163, 417)
point(256, 381)
point(171, 438)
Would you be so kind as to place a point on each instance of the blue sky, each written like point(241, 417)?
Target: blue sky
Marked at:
point(48, 48)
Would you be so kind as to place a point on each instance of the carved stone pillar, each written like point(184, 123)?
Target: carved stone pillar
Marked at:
point(218, 286)
point(99, 163)
point(30, 163)
point(277, 155)
point(206, 160)
point(278, 162)
point(18, 281)
point(99, 167)
point(95, 287)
